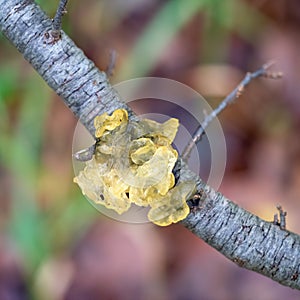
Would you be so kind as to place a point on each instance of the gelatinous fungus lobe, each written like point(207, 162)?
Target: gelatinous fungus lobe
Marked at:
point(133, 163)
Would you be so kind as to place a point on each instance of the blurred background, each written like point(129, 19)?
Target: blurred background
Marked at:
point(55, 245)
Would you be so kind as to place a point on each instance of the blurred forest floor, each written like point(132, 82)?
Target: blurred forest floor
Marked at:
point(55, 245)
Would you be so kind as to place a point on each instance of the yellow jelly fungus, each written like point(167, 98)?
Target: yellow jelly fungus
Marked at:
point(141, 150)
point(133, 163)
point(156, 170)
point(108, 190)
point(167, 129)
point(104, 122)
point(172, 207)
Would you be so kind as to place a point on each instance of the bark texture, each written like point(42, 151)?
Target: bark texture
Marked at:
point(244, 238)
point(65, 68)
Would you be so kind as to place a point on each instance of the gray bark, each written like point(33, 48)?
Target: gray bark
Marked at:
point(65, 68)
point(244, 238)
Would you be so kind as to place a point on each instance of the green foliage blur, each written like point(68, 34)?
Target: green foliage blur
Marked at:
point(25, 105)
point(36, 228)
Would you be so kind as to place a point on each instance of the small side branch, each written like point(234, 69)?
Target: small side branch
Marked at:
point(236, 93)
point(57, 20)
point(112, 63)
point(281, 221)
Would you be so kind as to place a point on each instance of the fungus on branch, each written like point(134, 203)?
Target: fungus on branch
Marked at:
point(133, 163)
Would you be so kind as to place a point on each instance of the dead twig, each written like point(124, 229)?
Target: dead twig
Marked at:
point(57, 20)
point(236, 93)
point(281, 222)
point(112, 63)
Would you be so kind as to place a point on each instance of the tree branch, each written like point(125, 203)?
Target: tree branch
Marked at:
point(65, 68)
point(244, 238)
point(57, 20)
point(236, 93)
point(61, 10)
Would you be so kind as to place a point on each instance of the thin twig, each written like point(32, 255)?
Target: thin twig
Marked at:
point(61, 10)
point(236, 93)
point(282, 218)
point(85, 154)
point(112, 63)
point(57, 20)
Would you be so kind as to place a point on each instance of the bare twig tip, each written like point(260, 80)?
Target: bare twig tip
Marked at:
point(282, 218)
point(273, 75)
point(236, 93)
point(268, 64)
point(268, 74)
point(112, 63)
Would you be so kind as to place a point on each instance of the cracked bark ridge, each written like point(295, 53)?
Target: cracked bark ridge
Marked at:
point(65, 68)
point(246, 239)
